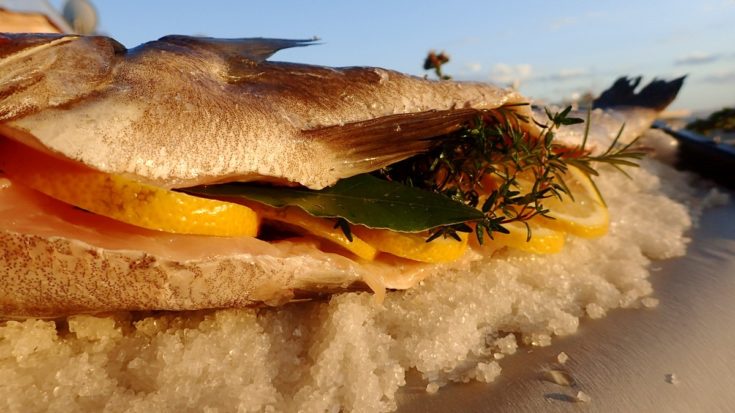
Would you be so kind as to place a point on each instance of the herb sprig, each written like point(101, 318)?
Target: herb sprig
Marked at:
point(482, 165)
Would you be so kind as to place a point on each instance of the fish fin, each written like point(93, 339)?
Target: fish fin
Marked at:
point(254, 50)
point(376, 143)
point(658, 94)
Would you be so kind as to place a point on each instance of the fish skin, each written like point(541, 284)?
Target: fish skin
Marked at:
point(184, 111)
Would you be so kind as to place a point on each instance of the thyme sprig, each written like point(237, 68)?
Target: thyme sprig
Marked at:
point(616, 155)
point(497, 150)
point(483, 165)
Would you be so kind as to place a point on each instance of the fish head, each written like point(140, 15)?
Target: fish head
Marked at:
point(38, 71)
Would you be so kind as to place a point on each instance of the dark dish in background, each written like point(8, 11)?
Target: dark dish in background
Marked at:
point(711, 158)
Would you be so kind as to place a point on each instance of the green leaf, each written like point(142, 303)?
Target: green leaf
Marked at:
point(361, 199)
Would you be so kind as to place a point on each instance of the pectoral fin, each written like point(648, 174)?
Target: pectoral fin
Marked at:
point(372, 144)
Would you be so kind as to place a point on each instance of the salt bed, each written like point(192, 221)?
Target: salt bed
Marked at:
point(347, 353)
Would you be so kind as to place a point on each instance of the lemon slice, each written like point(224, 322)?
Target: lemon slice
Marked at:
point(320, 227)
point(543, 240)
point(414, 246)
point(584, 216)
point(123, 199)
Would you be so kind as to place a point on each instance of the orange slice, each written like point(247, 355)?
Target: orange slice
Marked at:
point(124, 199)
point(543, 240)
point(414, 246)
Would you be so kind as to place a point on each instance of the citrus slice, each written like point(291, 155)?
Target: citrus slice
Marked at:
point(320, 227)
point(123, 199)
point(414, 246)
point(584, 214)
point(543, 240)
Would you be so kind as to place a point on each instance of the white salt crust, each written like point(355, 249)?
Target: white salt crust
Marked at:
point(347, 353)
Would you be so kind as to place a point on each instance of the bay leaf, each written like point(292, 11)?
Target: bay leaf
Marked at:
point(361, 199)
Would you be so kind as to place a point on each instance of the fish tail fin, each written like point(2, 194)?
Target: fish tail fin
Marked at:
point(658, 94)
point(376, 143)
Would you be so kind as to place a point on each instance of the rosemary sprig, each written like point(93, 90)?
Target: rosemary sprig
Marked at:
point(498, 147)
point(480, 166)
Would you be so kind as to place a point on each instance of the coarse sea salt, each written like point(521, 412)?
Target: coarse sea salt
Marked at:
point(583, 397)
point(347, 353)
point(562, 358)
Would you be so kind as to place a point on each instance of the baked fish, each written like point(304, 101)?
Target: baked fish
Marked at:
point(183, 111)
point(93, 137)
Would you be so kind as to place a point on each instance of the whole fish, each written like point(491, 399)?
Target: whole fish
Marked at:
point(184, 111)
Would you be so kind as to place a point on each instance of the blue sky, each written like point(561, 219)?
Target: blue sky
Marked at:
point(552, 49)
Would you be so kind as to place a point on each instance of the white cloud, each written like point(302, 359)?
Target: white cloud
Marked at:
point(565, 74)
point(569, 73)
point(510, 74)
point(697, 58)
point(473, 67)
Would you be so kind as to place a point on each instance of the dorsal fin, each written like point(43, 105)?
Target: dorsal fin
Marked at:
point(255, 49)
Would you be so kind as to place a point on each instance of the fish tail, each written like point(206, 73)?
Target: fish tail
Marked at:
point(658, 94)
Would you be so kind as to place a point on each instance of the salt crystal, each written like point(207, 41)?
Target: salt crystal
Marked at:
point(595, 311)
point(650, 302)
point(507, 344)
point(432, 388)
point(562, 357)
point(94, 328)
point(583, 397)
point(672, 379)
point(560, 377)
point(487, 372)
point(541, 340)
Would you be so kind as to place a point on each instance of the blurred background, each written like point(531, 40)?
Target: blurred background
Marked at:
point(560, 51)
